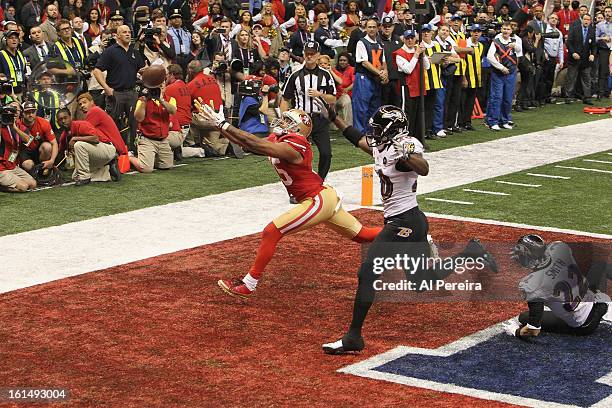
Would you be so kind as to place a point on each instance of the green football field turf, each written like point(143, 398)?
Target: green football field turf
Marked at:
point(581, 202)
point(202, 177)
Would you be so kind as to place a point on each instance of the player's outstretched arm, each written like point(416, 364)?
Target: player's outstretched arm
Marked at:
point(351, 134)
point(247, 140)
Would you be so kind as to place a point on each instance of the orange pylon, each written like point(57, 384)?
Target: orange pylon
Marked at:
point(477, 111)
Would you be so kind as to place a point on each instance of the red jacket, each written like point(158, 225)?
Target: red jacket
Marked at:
point(411, 80)
point(9, 143)
point(103, 122)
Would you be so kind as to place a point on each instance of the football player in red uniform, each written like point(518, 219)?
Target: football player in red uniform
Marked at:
point(291, 155)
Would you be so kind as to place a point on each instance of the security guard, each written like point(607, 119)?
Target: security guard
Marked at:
point(13, 63)
point(454, 83)
point(433, 81)
point(473, 75)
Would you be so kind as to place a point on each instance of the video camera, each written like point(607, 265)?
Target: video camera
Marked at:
point(7, 115)
point(149, 93)
point(552, 34)
point(149, 32)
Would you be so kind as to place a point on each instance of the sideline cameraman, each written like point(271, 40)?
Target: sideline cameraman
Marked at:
point(41, 146)
point(121, 63)
point(12, 178)
point(153, 42)
point(220, 70)
point(153, 116)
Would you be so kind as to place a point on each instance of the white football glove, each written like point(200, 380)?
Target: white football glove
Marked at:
point(511, 327)
point(403, 148)
point(209, 114)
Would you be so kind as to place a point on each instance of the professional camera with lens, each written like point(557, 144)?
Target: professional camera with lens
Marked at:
point(220, 67)
point(149, 32)
point(6, 87)
point(149, 93)
point(7, 115)
point(490, 28)
point(250, 87)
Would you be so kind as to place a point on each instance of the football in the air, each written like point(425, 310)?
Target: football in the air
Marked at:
point(154, 76)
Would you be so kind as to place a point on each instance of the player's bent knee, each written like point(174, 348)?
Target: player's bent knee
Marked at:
point(27, 165)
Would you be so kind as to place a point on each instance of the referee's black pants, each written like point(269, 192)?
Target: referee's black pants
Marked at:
point(603, 72)
point(553, 324)
point(120, 106)
point(320, 137)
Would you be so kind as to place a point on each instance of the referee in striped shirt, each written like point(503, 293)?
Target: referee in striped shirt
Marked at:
point(304, 85)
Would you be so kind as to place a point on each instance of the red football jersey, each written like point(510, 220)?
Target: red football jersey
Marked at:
point(299, 179)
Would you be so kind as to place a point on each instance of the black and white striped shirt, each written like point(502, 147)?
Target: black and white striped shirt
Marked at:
point(297, 85)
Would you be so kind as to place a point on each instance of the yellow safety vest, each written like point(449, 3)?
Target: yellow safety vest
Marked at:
point(61, 47)
point(56, 105)
point(12, 68)
point(461, 64)
point(473, 63)
point(433, 74)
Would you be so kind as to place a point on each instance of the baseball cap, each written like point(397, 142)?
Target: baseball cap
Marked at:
point(387, 21)
point(257, 26)
point(28, 105)
point(409, 33)
point(456, 17)
point(475, 27)
point(9, 33)
point(427, 27)
point(311, 46)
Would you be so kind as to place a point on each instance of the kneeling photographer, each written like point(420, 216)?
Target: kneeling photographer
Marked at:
point(12, 177)
point(152, 113)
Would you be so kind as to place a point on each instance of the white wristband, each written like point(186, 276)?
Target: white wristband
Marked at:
point(532, 327)
point(225, 125)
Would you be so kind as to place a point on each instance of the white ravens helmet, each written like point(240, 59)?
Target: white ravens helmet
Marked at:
point(529, 251)
point(292, 121)
point(387, 122)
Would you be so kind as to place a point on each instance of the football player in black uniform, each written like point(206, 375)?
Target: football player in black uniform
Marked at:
point(398, 162)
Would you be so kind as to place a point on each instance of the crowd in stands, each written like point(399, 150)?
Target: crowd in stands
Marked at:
point(255, 59)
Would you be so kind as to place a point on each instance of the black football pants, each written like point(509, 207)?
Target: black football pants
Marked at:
point(320, 137)
point(552, 324)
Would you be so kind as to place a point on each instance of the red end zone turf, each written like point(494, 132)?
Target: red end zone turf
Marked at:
point(159, 333)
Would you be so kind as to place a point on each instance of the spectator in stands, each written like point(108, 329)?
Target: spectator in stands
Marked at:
point(344, 75)
point(39, 50)
point(49, 26)
point(327, 36)
point(603, 36)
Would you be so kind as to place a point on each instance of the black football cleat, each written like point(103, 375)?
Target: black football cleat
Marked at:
point(475, 249)
point(345, 345)
point(113, 169)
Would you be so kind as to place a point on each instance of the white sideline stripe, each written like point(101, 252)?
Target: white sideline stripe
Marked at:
point(367, 367)
point(469, 190)
point(516, 225)
point(585, 169)
point(609, 154)
point(548, 176)
point(114, 240)
point(597, 161)
point(449, 201)
point(518, 184)
point(507, 224)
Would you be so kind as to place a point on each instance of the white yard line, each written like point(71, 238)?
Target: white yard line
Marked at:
point(121, 238)
point(548, 176)
point(585, 169)
point(498, 193)
point(597, 161)
point(449, 201)
point(511, 183)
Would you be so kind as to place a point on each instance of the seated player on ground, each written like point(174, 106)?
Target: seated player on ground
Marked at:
point(576, 305)
point(399, 161)
point(291, 155)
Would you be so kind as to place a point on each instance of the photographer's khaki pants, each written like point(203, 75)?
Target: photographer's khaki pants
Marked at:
point(176, 139)
point(154, 153)
point(91, 161)
point(203, 132)
point(10, 178)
